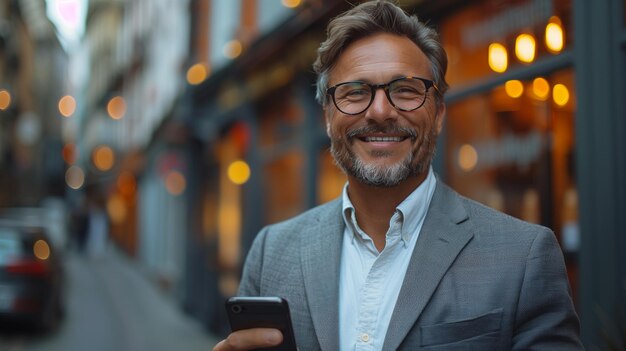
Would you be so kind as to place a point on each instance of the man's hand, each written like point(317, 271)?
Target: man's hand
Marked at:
point(249, 339)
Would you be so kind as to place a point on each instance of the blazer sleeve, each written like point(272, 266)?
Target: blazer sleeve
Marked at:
point(545, 318)
point(250, 284)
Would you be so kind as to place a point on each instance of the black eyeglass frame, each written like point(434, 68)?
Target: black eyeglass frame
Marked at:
point(374, 87)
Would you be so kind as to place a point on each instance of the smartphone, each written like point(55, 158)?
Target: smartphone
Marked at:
point(262, 312)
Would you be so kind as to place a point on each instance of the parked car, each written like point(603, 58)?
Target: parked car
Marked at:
point(31, 276)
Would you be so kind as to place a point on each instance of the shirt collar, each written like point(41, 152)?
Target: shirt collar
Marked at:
point(412, 210)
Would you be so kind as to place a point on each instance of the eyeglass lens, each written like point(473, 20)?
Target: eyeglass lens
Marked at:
point(405, 94)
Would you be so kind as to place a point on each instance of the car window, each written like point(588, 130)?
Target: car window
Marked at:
point(10, 244)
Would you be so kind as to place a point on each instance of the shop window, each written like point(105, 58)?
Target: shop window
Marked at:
point(330, 178)
point(492, 37)
point(512, 149)
point(284, 184)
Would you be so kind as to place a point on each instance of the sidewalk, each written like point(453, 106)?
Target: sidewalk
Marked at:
point(150, 320)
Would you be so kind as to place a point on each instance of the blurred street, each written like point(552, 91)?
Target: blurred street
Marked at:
point(111, 305)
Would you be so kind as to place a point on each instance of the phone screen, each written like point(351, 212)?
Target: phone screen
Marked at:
point(262, 312)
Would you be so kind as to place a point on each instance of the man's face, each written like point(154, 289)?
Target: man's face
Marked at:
point(383, 146)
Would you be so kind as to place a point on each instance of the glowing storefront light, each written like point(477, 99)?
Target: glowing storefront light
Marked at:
point(525, 48)
point(67, 106)
point(233, 49)
point(197, 73)
point(116, 108)
point(41, 249)
point(560, 94)
point(498, 57)
point(175, 183)
point(541, 88)
point(103, 158)
point(5, 99)
point(514, 88)
point(75, 177)
point(468, 157)
point(116, 208)
point(554, 35)
point(291, 3)
point(239, 172)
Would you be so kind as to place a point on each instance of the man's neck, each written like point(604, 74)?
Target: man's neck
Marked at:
point(375, 206)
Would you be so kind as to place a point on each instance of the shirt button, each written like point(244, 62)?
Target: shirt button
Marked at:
point(365, 337)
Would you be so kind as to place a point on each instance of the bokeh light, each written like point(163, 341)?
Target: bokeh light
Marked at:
point(67, 106)
point(41, 249)
point(103, 158)
point(291, 3)
point(514, 88)
point(560, 94)
point(554, 35)
point(175, 182)
point(233, 49)
point(468, 157)
point(541, 88)
point(197, 73)
point(116, 108)
point(239, 172)
point(498, 57)
point(116, 208)
point(525, 48)
point(75, 177)
point(5, 99)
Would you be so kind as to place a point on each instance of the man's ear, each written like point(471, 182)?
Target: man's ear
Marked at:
point(327, 120)
point(441, 113)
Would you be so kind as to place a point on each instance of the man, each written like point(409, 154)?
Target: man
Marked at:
point(401, 261)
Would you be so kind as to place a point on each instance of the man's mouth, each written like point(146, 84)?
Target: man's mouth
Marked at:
point(383, 139)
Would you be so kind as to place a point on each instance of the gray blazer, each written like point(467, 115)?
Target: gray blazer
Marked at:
point(478, 280)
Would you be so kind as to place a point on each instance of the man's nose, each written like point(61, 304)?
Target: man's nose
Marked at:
point(381, 108)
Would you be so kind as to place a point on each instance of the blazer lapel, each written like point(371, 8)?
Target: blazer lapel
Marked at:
point(440, 241)
point(321, 254)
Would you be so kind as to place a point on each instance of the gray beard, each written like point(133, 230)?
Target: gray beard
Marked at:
point(383, 176)
point(374, 175)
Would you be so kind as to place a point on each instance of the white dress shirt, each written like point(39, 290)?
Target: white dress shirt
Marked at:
point(370, 281)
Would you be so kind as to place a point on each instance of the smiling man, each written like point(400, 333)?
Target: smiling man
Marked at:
point(400, 261)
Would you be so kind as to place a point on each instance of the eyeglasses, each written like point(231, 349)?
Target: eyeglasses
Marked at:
point(405, 94)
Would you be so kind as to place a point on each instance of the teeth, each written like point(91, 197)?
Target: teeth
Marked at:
point(383, 139)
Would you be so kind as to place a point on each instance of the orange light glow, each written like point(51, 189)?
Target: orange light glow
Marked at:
point(525, 48)
point(555, 38)
point(116, 108)
point(468, 157)
point(67, 106)
point(116, 208)
point(197, 73)
point(69, 153)
point(103, 158)
point(233, 49)
point(239, 172)
point(175, 183)
point(498, 57)
point(541, 88)
point(514, 88)
point(41, 249)
point(291, 3)
point(560, 94)
point(126, 184)
point(5, 99)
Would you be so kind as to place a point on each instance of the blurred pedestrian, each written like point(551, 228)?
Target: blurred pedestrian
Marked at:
point(401, 261)
point(79, 223)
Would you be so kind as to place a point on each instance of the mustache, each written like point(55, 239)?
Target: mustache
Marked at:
point(385, 129)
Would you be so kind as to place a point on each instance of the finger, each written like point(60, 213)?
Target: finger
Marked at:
point(248, 339)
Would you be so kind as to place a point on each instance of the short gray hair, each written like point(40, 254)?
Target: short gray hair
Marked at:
point(373, 17)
